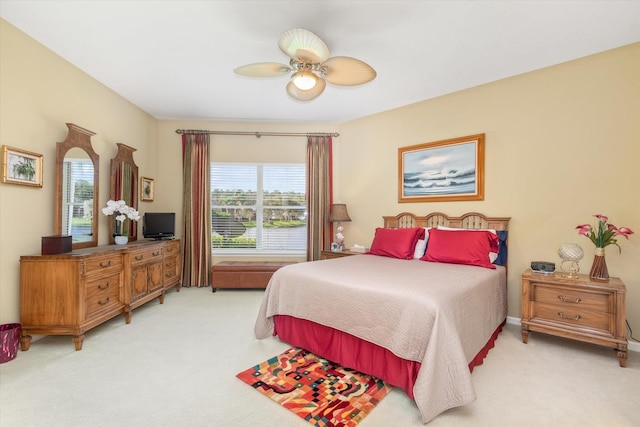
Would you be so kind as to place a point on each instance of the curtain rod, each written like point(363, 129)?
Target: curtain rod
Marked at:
point(256, 134)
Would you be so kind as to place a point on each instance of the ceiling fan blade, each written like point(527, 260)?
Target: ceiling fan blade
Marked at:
point(306, 95)
point(346, 71)
point(263, 69)
point(303, 46)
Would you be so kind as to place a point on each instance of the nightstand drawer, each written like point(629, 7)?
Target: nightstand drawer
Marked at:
point(572, 316)
point(578, 299)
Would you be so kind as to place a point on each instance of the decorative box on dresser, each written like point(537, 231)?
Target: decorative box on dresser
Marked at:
point(71, 293)
point(580, 308)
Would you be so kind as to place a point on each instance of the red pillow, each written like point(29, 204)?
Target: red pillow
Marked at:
point(461, 247)
point(396, 242)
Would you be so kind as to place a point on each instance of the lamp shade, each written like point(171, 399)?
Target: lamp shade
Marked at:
point(339, 213)
point(304, 80)
point(570, 252)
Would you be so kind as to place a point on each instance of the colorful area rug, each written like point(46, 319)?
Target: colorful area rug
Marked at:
point(321, 392)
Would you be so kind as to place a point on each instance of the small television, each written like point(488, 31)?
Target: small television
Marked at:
point(159, 225)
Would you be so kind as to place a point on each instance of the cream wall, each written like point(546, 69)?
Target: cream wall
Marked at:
point(562, 144)
point(39, 93)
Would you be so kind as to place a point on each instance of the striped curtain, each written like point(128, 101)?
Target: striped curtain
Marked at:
point(319, 194)
point(196, 211)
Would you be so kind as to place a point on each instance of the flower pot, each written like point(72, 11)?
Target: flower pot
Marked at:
point(121, 240)
point(599, 268)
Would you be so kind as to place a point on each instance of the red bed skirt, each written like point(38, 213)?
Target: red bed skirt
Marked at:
point(352, 352)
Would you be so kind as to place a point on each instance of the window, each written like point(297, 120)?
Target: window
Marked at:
point(258, 208)
point(77, 199)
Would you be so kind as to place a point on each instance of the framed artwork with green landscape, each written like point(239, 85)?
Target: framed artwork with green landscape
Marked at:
point(21, 167)
point(146, 189)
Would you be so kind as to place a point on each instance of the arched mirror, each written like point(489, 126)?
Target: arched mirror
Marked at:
point(77, 178)
point(124, 179)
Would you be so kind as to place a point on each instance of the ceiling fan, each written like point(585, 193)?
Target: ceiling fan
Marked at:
point(311, 66)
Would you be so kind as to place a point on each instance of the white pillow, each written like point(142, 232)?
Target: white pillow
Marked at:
point(421, 246)
point(492, 255)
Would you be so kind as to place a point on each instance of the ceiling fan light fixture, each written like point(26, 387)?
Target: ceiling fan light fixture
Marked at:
point(304, 80)
point(311, 66)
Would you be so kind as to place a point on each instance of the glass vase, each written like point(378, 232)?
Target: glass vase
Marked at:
point(599, 268)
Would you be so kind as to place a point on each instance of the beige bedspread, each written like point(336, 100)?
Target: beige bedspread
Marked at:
point(438, 314)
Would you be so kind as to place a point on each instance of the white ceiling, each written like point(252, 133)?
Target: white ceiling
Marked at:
point(175, 59)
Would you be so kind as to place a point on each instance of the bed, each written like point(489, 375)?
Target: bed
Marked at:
point(419, 311)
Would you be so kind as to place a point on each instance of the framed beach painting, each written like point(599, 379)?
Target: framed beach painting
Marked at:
point(146, 189)
point(21, 167)
point(449, 170)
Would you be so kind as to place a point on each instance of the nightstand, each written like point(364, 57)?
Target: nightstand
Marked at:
point(580, 309)
point(330, 254)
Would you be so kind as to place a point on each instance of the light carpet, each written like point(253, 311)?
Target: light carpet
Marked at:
point(174, 365)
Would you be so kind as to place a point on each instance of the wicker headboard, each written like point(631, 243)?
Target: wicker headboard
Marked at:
point(468, 220)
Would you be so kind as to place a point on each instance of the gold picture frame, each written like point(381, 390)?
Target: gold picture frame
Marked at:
point(147, 189)
point(449, 170)
point(21, 167)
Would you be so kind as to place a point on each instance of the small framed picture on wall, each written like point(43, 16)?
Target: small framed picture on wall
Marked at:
point(146, 189)
point(21, 167)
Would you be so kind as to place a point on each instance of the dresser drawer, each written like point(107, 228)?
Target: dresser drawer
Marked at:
point(100, 264)
point(170, 269)
point(104, 285)
point(572, 316)
point(140, 257)
point(575, 299)
point(102, 295)
point(172, 248)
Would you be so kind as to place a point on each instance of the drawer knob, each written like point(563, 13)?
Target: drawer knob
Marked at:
point(105, 265)
point(102, 288)
point(572, 301)
point(561, 314)
point(104, 302)
point(156, 253)
point(139, 257)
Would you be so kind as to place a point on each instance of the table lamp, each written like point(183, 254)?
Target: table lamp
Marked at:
point(339, 214)
point(571, 254)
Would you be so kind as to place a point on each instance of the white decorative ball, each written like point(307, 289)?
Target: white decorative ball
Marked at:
point(570, 252)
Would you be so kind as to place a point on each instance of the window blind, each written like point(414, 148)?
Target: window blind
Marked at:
point(258, 208)
point(77, 197)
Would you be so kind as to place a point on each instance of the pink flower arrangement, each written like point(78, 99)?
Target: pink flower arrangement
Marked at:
point(604, 234)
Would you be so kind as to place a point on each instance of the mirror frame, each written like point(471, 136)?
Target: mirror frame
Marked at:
point(124, 155)
point(77, 137)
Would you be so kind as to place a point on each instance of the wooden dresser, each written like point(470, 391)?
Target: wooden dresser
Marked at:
point(579, 309)
point(68, 294)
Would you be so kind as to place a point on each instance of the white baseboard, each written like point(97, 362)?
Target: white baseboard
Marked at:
point(633, 346)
